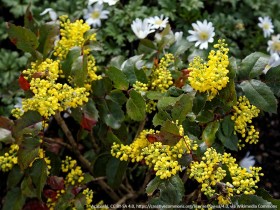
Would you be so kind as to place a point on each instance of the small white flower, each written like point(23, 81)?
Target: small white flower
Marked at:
point(93, 15)
point(247, 162)
point(52, 13)
point(202, 34)
point(266, 25)
point(158, 22)
point(273, 62)
point(141, 28)
point(110, 2)
point(274, 44)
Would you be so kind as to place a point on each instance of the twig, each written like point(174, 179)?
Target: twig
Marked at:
point(86, 164)
point(124, 198)
point(53, 141)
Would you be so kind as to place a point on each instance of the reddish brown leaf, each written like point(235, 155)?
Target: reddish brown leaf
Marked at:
point(48, 193)
point(35, 205)
point(55, 182)
point(23, 83)
point(6, 123)
point(87, 122)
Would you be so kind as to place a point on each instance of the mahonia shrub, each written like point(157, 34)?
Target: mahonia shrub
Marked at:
point(163, 127)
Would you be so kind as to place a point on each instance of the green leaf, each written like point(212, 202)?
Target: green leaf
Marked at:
point(253, 201)
point(228, 95)
point(28, 151)
point(73, 54)
point(226, 134)
point(79, 70)
point(208, 134)
point(29, 21)
point(90, 109)
point(205, 116)
point(14, 200)
point(232, 67)
point(272, 78)
point(27, 188)
point(199, 102)
point(170, 133)
point(29, 118)
point(6, 136)
point(266, 196)
point(111, 138)
point(160, 118)
point(130, 70)
point(147, 46)
point(260, 95)
point(118, 77)
point(259, 67)
point(102, 87)
point(23, 38)
point(48, 33)
point(248, 64)
point(99, 164)
point(39, 173)
point(182, 108)
point(117, 96)
point(167, 101)
point(153, 185)
point(14, 177)
point(180, 47)
point(154, 95)
point(171, 191)
point(136, 106)
point(115, 171)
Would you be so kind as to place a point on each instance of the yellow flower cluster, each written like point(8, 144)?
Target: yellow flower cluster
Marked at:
point(210, 174)
point(242, 116)
point(89, 196)
point(162, 158)
point(9, 159)
point(50, 97)
point(210, 77)
point(160, 78)
point(75, 174)
point(72, 34)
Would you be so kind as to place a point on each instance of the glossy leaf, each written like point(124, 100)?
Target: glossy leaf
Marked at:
point(170, 133)
point(23, 38)
point(160, 117)
point(272, 78)
point(259, 66)
point(260, 95)
point(14, 177)
point(251, 200)
point(153, 185)
point(118, 77)
point(208, 134)
point(136, 106)
point(14, 200)
point(167, 101)
point(48, 34)
point(72, 56)
point(27, 188)
point(182, 108)
point(39, 175)
point(6, 136)
point(115, 171)
point(28, 151)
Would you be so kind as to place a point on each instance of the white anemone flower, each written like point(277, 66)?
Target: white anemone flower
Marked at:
point(110, 2)
point(51, 12)
point(158, 22)
point(141, 28)
point(274, 61)
point(266, 25)
point(93, 15)
point(202, 34)
point(247, 162)
point(274, 44)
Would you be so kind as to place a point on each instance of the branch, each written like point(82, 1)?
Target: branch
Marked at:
point(85, 163)
point(53, 141)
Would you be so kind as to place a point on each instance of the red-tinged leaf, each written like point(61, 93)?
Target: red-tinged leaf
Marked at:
point(75, 191)
point(152, 138)
point(56, 183)
point(87, 122)
point(35, 205)
point(48, 193)
point(6, 123)
point(23, 83)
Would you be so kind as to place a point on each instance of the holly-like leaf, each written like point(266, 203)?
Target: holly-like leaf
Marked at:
point(260, 95)
point(136, 106)
point(170, 133)
point(55, 182)
point(73, 54)
point(251, 200)
point(23, 38)
point(182, 108)
point(23, 83)
point(14, 177)
point(249, 64)
point(6, 136)
point(272, 78)
point(168, 101)
point(259, 66)
point(39, 175)
point(118, 77)
point(208, 134)
point(115, 171)
point(153, 185)
point(28, 151)
point(48, 34)
point(27, 188)
point(6, 123)
point(171, 191)
point(14, 200)
point(88, 122)
point(161, 117)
